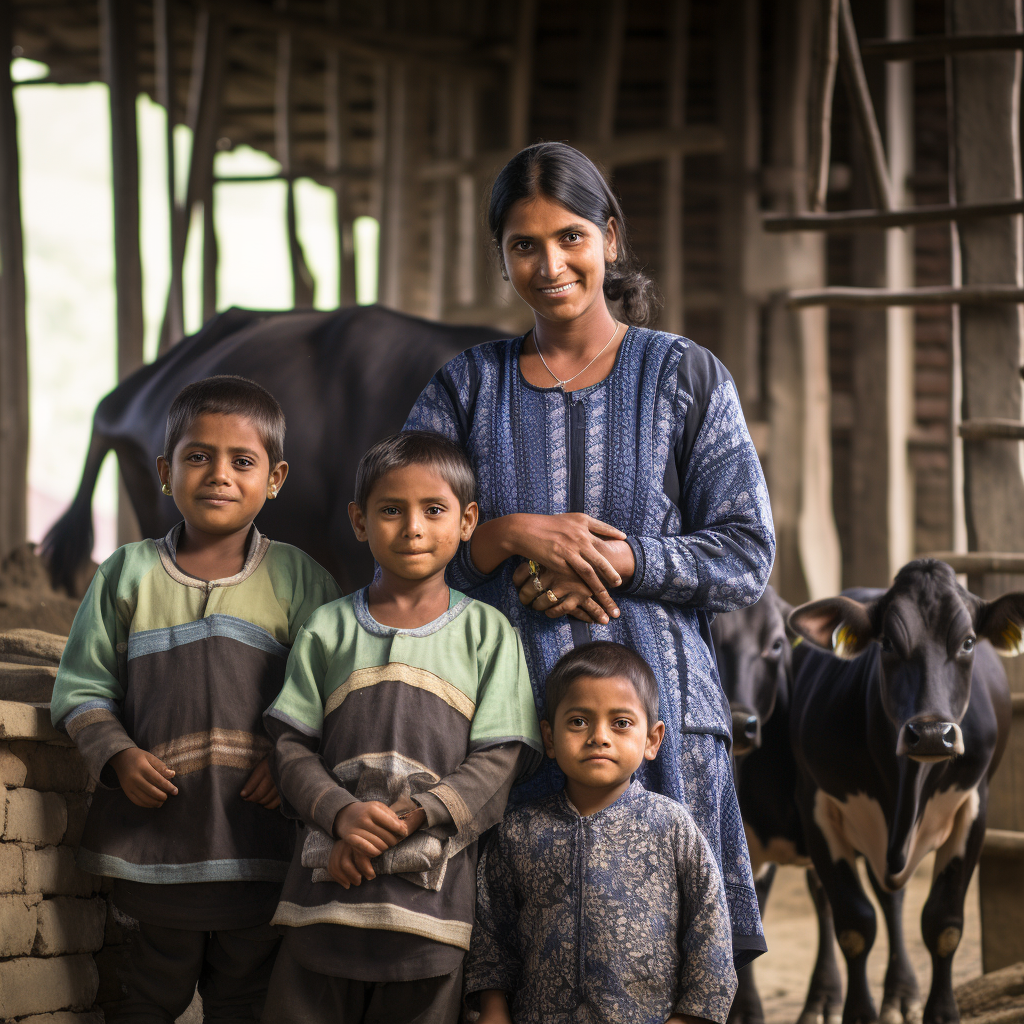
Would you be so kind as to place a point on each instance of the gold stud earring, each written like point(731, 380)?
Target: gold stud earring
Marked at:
point(272, 493)
point(166, 489)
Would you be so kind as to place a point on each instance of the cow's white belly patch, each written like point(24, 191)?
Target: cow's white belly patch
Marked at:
point(857, 825)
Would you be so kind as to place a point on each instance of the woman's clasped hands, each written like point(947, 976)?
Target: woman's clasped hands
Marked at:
point(572, 562)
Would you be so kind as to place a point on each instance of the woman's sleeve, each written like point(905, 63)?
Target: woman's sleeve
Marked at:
point(442, 408)
point(723, 557)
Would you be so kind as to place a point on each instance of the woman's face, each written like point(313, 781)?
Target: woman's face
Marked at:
point(555, 259)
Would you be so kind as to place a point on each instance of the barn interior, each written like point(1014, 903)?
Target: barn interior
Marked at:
point(826, 192)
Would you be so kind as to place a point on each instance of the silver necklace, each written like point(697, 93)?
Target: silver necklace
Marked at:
point(569, 380)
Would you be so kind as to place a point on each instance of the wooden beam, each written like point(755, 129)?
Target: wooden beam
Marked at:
point(163, 46)
point(874, 298)
point(819, 158)
point(206, 90)
point(863, 108)
point(675, 165)
point(14, 419)
point(600, 85)
point(434, 53)
point(211, 257)
point(981, 562)
point(393, 228)
point(336, 116)
point(843, 221)
point(441, 215)
point(628, 148)
point(467, 242)
point(930, 47)
point(987, 428)
point(303, 286)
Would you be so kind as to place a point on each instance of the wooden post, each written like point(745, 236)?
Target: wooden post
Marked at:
point(206, 89)
point(467, 250)
point(14, 422)
point(393, 229)
point(600, 92)
point(807, 562)
point(821, 113)
point(985, 154)
point(163, 45)
point(521, 71)
point(440, 221)
point(336, 115)
point(118, 42)
point(738, 59)
point(303, 286)
point(672, 231)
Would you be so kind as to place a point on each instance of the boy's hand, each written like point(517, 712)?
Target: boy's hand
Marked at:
point(260, 788)
point(144, 778)
point(410, 812)
point(369, 827)
point(494, 1007)
point(347, 867)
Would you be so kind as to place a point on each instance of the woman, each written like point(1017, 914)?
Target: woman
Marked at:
point(617, 459)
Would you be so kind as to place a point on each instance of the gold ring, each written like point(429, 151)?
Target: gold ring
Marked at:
point(538, 586)
point(534, 568)
point(550, 595)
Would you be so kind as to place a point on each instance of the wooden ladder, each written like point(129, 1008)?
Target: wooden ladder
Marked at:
point(986, 332)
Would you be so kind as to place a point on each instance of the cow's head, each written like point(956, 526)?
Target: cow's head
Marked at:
point(754, 657)
point(927, 626)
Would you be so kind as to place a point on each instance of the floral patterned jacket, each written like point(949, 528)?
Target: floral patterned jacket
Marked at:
point(617, 916)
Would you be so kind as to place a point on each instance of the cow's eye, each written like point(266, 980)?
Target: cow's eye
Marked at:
point(886, 644)
point(778, 645)
point(968, 645)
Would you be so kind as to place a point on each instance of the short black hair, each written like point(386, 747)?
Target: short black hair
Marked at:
point(417, 448)
point(601, 659)
point(227, 395)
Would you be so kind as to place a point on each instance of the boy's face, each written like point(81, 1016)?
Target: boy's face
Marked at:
point(600, 734)
point(220, 474)
point(413, 522)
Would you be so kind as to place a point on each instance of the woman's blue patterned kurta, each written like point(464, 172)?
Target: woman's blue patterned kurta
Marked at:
point(660, 450)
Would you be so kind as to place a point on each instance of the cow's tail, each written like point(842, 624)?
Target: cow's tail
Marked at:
point(68, 544)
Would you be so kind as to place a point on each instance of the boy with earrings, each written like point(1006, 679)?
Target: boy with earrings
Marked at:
point(603, 902)
point(406, 715)
point(178, 647)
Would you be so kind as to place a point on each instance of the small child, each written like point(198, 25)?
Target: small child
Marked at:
point(406, 715)
point(603, 902)
point(179, 646)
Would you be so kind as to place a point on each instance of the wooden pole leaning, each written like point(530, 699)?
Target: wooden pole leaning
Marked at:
point(14, 421)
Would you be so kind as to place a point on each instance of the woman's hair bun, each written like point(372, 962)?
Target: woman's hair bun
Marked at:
point(566, 176)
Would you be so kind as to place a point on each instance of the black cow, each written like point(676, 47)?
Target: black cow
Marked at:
point(755, 662)
point(896, 734)
point(344, 379)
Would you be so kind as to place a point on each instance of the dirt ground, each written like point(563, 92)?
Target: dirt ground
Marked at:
point(27, 601)
point(791, 932)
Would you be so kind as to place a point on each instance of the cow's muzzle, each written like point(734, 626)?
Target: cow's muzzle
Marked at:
point(746, 730)
point(930, 741)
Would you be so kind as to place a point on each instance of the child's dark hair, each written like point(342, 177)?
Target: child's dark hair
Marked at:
point(564, 175)
point(417, 448)
point(601, 659)
point(229, 396)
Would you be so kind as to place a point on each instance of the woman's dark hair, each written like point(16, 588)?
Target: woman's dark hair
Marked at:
point(228, 395)
point(601, 659)
point(567, 177)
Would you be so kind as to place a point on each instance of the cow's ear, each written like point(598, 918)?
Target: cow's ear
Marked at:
point(1001, 622)
point(785, 610)
point(837, 624)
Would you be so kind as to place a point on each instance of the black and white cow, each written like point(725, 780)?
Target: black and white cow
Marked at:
point(896, 732)
point(755, 662)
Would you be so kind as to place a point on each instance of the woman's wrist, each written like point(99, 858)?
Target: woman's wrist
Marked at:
point(620, 555)
point(494, 541)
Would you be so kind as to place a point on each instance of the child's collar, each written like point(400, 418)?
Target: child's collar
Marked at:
point(167, 549)
point(457, 604)
point(624, 799)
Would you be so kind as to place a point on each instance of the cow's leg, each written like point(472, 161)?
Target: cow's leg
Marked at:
point(854, 916)
point(901, 1000)
point(746, 1006)
point(942, 919)
point(825, 992)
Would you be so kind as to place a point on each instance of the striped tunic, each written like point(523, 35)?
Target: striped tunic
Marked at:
point(184, 668)
point(441, 713)
point(660, 450)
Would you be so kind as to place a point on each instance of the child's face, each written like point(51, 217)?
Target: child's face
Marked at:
point(220, 474)
point(600, 734)
point(413, 522)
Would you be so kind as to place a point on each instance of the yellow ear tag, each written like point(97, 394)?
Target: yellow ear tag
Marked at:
point(1013, 640)
point(797, 641)
point(842, 641)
